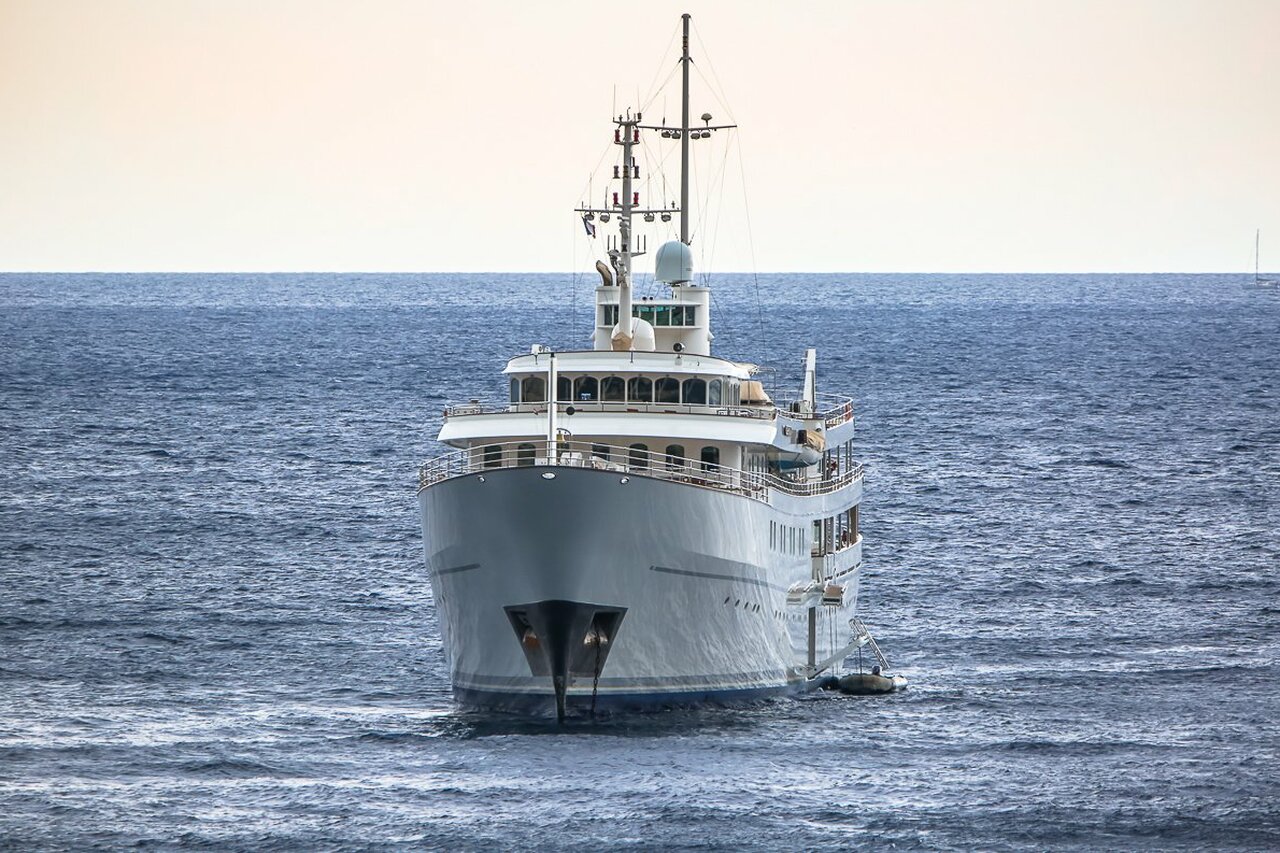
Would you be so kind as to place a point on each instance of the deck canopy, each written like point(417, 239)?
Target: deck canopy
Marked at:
point(607, 361)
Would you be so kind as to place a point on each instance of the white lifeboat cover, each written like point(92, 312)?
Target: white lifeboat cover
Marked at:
point(642, 337)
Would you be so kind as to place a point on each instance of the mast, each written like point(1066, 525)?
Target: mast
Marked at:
point(684, 137)
point(622, 337)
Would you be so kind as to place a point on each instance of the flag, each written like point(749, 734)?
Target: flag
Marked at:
point(590, 226)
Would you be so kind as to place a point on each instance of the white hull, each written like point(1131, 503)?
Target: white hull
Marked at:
point(701, 593)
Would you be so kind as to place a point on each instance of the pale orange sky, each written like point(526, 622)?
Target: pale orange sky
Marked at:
point(998, 135)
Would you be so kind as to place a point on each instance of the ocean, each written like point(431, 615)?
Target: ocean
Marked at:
point(216, 631)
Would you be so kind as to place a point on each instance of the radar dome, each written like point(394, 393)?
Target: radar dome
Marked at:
point(674, 263)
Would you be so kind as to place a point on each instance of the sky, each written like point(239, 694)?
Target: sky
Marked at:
point(875, 135)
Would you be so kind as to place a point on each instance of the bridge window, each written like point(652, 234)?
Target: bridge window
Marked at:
point(640, 389)
point(524, 455)
point(675, 457)
point(713, 392)
point(600, 451)
point(533, 389)
point(695, 392)
point(710, 456)
point(564, 389)
point(638, 456)
point(653, 314)
point(493, 456)
point(667, 390)
point(515, 390)
point(732, 394)
point(613, 389)
point(585, 389)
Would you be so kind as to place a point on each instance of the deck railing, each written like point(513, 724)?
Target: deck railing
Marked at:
point(626, 461)
point(496, 407)
point(833, 409)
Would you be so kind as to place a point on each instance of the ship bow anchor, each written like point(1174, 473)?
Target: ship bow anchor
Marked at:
point(564, 640)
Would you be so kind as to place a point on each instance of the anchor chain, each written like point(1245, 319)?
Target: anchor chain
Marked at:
point(595, 682)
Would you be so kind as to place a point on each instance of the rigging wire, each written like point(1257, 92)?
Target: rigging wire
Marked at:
point(715, 235)
point(717, 91)
point(675, 31)
point(715, 188)
point(577, 278)
point(751, 240)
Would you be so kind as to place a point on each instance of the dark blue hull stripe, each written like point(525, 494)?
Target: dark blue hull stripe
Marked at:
point(503, 700)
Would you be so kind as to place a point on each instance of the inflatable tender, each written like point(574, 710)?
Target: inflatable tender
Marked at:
point(870, 683)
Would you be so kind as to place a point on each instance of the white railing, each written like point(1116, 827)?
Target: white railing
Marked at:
point(624, 460)
point(833, 409)
point(832, 560)
point(495, 407)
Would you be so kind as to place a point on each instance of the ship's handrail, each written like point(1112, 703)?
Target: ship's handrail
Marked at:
point(833, 409)
point(839, 408)
point(497, 407)
point(624, 460)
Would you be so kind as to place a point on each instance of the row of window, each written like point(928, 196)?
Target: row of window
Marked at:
point(638, 456)
point(637, 389)
point(656, 315)
point(787, 539)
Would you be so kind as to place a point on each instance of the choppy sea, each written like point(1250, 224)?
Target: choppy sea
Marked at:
point(215, 629)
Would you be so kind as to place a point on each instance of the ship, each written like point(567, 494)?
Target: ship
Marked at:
point(641, 524)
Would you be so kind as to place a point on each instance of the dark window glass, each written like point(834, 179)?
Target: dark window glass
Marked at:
point(640, 389)
point(638, 456)
point(564, 389)
point(710, 456)
point(493, 456)
point(533, 389)
point(662, 315)
point(689, 314)
point(613, 389)
point(667, 390)
point(524, 455)
point(713, 392)
point(677, 315)
point(675, 456)
point(600, 451)
point(585, 388)
point(515, 390)
point(695, 392)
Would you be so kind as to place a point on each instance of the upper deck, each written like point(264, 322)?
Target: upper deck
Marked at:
point(629, 362)
point(646, 394)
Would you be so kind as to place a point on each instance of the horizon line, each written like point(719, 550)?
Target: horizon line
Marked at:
point(1248, 273)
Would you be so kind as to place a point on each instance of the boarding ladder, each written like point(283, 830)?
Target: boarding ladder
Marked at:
point(862, 637)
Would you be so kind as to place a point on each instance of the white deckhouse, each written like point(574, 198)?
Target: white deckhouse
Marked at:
point(640, 524)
